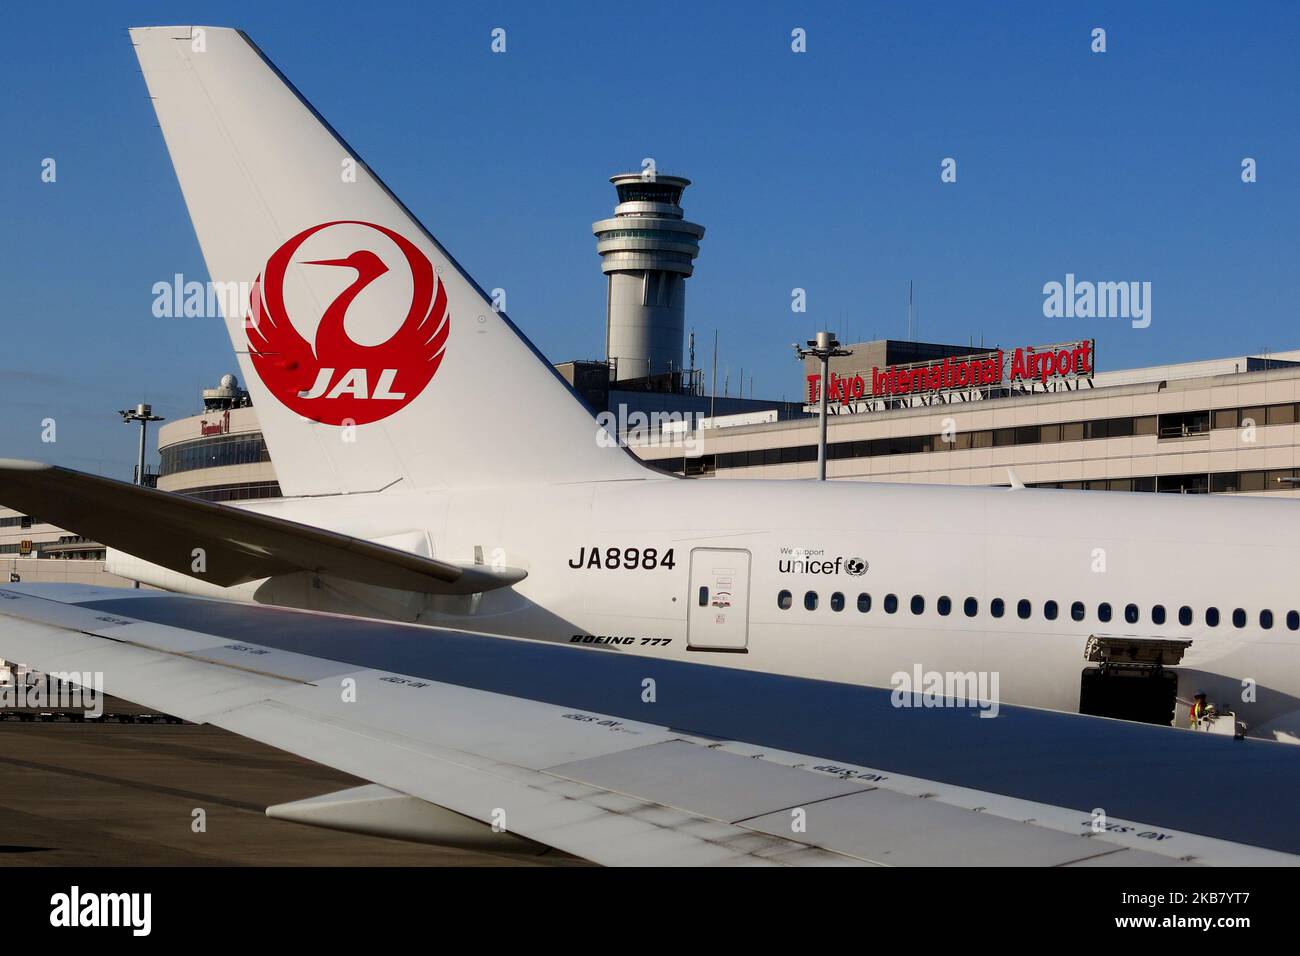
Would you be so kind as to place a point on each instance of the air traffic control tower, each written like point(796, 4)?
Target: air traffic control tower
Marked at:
point(647, 250)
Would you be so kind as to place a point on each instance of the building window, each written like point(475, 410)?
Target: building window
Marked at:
point(1256, 415)
point(1281, 414)
point(1187, 424)
point(1197, 484)
point(784, 600)
point(1254, 481)
point(1224, 482)
point(1119, 428)
point(864, 603)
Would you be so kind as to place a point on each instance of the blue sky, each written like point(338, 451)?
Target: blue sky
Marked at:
point(817, 170)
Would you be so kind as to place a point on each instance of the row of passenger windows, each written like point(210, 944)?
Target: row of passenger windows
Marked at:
point(1024, 609)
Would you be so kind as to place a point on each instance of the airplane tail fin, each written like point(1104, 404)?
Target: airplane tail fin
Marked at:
point(371, 356)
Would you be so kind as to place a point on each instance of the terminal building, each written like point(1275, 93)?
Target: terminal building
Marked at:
point(35, 550)
point(1224, 426)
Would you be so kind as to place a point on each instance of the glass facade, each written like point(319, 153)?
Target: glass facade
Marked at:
point(649, 191)
point(213, 453)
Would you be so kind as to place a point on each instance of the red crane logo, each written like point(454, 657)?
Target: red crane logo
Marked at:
point(335, 380)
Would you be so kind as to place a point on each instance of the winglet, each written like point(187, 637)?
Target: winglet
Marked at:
point(1015, 481)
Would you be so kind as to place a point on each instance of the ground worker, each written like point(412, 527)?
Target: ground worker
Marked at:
point(1199, 708)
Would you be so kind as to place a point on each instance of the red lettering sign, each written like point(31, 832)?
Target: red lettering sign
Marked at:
point(1028, 364)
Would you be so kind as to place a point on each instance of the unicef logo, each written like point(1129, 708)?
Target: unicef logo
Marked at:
point(855, 566)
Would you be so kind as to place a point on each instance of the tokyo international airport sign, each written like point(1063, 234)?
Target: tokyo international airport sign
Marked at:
point(1031, 368)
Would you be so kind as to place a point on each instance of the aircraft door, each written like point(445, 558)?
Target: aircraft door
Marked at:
point(718, 619)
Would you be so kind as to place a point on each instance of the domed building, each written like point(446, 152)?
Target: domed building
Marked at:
point(219, 454)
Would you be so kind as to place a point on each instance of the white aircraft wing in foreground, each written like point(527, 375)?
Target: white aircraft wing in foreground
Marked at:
point(621, 759)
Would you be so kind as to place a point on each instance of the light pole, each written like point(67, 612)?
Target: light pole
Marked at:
point(823, 347)
point(143, 414)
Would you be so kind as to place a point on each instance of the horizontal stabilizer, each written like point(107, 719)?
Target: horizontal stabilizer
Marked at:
point(236, 545)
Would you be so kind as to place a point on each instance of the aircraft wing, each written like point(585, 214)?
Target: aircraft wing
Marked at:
point(238, 545)
point(626, 760)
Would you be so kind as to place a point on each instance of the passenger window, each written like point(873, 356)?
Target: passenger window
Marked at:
point(944, 605)
point(1024, 609)
point(1103, 611)
point(997, 607)
point(1077, 611)
point(1238, 618)
point(837, 601)
point(1131, 613)
point(864, 603)
point(918, 604)
point(1158, 614)
point(1212, 616)
point(891, 603)
point(1266, 619)
point(784, 600)
point(1050, 610)
point(1185, 616)
point(1293, 620)
point(972, 607)
point(810, 601)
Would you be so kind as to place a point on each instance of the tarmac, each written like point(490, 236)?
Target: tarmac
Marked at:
point(124, 794)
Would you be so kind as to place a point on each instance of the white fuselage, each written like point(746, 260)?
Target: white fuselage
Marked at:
point(970, 546)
